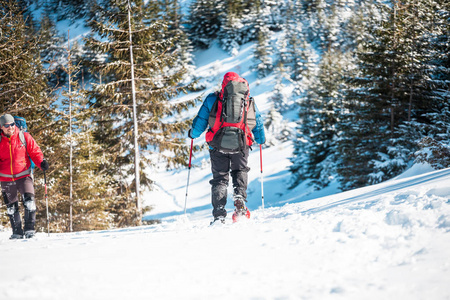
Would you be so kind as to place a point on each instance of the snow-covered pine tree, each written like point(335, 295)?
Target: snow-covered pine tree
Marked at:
point(230, 34)
point(69, 9)
point(171, 15)
point(365, 129)
point(52, 51)
point(403, 142)
point(434, 147)
point(281, 94)
point(276, 128)
point(204, 21)
point(299, 56)
point(156, 85)
point(319, 113)
point(417, 22)
point(293, 38)
point(435, 143)
point(383, 99)
point(315, 16)
point(238, 25)
point(275, 16)
point(22, 80)
point(263, 50)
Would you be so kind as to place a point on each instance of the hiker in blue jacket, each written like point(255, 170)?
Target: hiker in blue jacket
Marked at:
point(224, 162)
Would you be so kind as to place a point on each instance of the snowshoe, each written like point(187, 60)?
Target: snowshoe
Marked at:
point(30, 234)
point(240, 210)
point(16, 236)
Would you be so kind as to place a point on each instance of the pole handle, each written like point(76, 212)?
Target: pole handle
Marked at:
point(45, 183)
point(190, 153)
point(260, 157)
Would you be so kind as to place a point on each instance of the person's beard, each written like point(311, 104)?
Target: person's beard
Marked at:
point(7, 134)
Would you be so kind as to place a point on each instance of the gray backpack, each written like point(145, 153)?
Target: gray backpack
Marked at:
point(231, 119)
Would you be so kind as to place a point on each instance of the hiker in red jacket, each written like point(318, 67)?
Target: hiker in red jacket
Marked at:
point(17, 149)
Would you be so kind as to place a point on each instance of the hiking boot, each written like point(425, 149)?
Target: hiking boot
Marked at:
point(241, 209)
point(219, 211)
point(218, 220)
point(239, 203)
point(30, 234)
point(16, 236)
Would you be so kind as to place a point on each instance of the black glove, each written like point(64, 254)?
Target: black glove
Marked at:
point(44, 165)
point(189, 133)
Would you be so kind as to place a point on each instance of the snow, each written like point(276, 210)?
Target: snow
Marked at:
point(386, 241)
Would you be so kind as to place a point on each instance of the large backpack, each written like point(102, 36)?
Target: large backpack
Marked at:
point(21, 123)
point(232, 118)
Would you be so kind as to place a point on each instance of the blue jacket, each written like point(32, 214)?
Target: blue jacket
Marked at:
point(201, 120)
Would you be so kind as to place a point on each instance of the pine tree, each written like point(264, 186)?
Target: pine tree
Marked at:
point(276, 128)
point(69, 9)
point(263, 51)
point(171, 15)
point(371, 102)
point(156, 85)
point(205, 21)
point(300, 57)
point(51, 50)
point(84, 197)
point(434, 143)
point(22, 83)
point(319, 115)
point(237, 25)
point(434, 147)
point(281, 95)
point(387, 102)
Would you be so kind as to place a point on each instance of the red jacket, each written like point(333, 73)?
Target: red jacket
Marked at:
point(14, 160)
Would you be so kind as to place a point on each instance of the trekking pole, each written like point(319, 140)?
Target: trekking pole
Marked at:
point(46, 204)
point(189, 175)
point(262, 179)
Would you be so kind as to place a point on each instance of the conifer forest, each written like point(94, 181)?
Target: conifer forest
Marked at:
point(368, 80)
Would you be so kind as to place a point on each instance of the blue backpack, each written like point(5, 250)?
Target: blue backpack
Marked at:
point(21, 123)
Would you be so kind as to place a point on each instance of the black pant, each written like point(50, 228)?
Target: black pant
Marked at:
point(10, 190)
point(221, 165)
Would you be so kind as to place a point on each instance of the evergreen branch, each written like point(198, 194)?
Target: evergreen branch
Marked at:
point(13, 58)
point(11, 91)
point(102, 27)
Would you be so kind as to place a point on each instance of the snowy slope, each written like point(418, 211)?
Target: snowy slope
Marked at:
point(388, 241)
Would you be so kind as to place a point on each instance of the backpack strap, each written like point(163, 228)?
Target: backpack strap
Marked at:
point(245, 124)
point(223, 114)
point(22, 139)
point(24, 142)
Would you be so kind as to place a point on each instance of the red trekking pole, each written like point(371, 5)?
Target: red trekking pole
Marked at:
point(189, 175)
point(262, 180)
